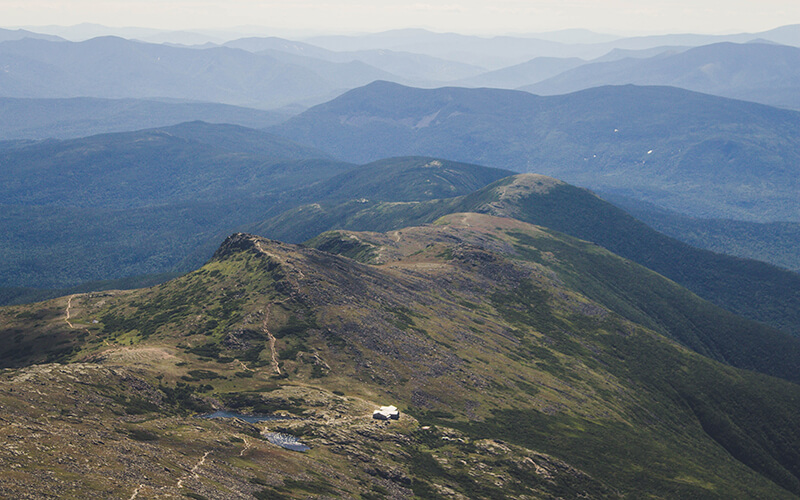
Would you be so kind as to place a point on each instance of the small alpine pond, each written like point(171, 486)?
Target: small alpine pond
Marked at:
point(286, 441)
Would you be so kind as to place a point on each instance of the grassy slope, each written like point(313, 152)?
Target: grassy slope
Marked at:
point(752, 289)
point(474, 324)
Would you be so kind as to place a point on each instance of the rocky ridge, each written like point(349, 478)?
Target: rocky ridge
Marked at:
point(511, 382)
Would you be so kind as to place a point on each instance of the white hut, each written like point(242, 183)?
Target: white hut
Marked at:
point(386, 413)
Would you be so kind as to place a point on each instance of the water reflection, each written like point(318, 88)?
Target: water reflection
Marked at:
point(286, 441)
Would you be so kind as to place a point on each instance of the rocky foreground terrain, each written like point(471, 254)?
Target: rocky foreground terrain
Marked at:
point(72, 429)
point(511, 381)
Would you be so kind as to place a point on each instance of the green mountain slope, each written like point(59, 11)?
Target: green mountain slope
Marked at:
point(473, 325)
point(404, 179)
point(189, 185)
point(749, 288)
point(13, 296)
point(120, 205)
point(389, 180)
point(773, 242)
point(188, 161)
point(698, 154)
point(241, 139)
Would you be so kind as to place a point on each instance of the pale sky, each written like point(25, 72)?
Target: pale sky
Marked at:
point(465, 16)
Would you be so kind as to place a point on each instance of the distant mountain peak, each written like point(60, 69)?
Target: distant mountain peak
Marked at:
point(525, 184)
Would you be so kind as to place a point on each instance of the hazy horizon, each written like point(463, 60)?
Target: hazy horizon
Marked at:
point(506, 17)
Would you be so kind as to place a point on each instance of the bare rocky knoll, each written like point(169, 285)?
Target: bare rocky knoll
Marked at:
point(511, 383)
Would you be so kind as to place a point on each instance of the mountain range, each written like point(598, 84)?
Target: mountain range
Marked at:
point(113, 68)
point(202, 297)
point(499, 51)
point(86, 116)
point(272, 72)
point(693, 153)
point(19, 34)
point(405, 66)
point(241, 176)
point(757, 72)
point(519, 75)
